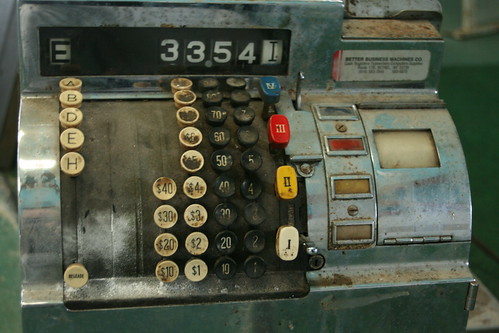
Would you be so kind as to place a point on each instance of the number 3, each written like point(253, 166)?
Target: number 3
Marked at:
point(197, 48)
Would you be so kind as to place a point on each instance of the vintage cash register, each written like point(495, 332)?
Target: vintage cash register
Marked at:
point(239, 166)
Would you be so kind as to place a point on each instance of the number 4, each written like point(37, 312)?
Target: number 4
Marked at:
point(248, 54)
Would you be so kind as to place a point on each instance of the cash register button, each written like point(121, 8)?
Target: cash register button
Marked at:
point(184, 98)
point(72, 139)
point(164, 188)
point(196, 243)
point(251, 160)
point(235, 83)
point(221, 160)
point(278, 131)
point(195, 270)
point(226, 242)
point(70, 117)
point(195, 215)
point(244, 115)
point(180, 83)
point(165, 216)
point(254, 267)
point(269, 89)
point(225, 268)
point(287, 243)
point(239, 97)
point(72, 164)
point(216, 115)
point(167, 271)
point(219, 137)
point(71, 99)
point(247, 136)
point(286, 183)
point(192, 161)
point(187, 116)
point(251, 188)
point(76, 276)
point(225, 213)
point(70, 83)
point(212, 98)
point(224, 186)
point(254, 213)
point(190, 137)
point(254, 241)
point(208, 83)
point(195, 187)
point(166, 244)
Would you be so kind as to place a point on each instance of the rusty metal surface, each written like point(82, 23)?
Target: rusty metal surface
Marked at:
point(389, 29)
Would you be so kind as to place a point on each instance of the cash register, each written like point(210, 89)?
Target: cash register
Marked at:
point(239, 166)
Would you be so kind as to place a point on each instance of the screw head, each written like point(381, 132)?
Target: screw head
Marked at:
point(340, 127)
point(353, 210)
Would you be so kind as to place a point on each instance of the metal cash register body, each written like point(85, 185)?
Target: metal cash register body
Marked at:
point(250, 166)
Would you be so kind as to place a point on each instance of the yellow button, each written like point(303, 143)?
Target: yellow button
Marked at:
point(72, 139)
point(72, 164)
point(165, 216)
point(70, 83)
point(286, 184)
point(196, 243)
point(195, 215)
point(71, 99)
point(167, 271)
point(287, 242)
point(166, 244)
point(195, 187)
point(180, 83)
point(76, 276)
point(164, 188)
point(196, 270)
point(70, 117)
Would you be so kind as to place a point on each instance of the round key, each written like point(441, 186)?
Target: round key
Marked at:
point(225, 268)
point(164, 188)
point(184, 98)
point(212, 98)
point(167, 271)
point(219, 137)
point(215, 115)
point(195, 270)
point(235, 83)
point(224, 186)
point(239, 98)
point(221, 160)
point(71, 99)
point(247, 136)
point(70, 117)
point(72, 164)
point(209, 83)
point(187, 116)
point(195, 215)
point(251, 188)
point(166, 244)
point(254, 213)
point(165, 216)
point(254, 241)
point(190, 137)
point(244, 115)
point(72, 139)
point(191, 161)
point(194, 187)
point(70, 83)
point(251, 160)
point(76, 275)
point(225, 213)
point(226, 242)
point(196, 243)
point(180, 83)
point(254, 267)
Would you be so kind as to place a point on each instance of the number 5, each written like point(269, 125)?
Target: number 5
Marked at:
point(222, 52)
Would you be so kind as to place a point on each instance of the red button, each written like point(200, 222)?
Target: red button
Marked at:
point(278, 131)
point(336, 144)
